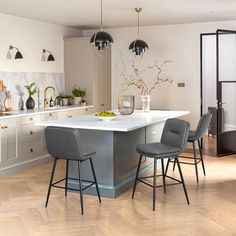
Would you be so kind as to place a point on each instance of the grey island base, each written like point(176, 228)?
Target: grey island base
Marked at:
point(115, 144)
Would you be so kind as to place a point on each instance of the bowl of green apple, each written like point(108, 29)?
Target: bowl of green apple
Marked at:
point(106, 115)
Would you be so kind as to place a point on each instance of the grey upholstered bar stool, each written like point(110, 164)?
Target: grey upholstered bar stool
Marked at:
point(195, 136)
point(64, 143)
point(173, 141)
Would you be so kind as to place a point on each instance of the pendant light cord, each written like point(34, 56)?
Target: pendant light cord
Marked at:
point(138, 24)
point(101, 15)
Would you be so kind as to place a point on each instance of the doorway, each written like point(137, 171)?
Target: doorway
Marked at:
point(218, 90)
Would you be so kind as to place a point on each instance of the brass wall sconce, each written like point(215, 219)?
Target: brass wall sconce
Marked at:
point(50, 56)
point(18, 54)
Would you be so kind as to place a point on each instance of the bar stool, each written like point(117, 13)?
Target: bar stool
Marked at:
point(64, 143)
point(195, 136)
point(173, 141)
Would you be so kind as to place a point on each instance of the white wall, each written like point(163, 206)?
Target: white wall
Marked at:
point(31, 37)
point(179, 43)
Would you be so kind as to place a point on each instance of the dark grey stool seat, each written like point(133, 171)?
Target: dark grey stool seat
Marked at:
point(158, 150)
point(195, 136)
point(173, 141)
point(64, 143)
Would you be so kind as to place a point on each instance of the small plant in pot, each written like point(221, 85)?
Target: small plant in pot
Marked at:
point(78, 95)
point(32, 89)
point(65, 99)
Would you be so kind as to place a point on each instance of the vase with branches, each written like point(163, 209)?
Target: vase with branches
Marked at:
point(32, 89)
point(134, 76)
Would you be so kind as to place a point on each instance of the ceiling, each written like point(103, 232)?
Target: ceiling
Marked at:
point(85, 14)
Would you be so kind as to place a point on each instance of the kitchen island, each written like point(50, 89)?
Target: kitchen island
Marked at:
point(115, 143)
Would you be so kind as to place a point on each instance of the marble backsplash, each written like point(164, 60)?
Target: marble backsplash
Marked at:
point(15, 82)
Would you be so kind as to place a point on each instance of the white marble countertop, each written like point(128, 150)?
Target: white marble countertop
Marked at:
point(20, 113)
point(123, 123)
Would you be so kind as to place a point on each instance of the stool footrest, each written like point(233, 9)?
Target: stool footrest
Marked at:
point(159, 186)
point(59, 181)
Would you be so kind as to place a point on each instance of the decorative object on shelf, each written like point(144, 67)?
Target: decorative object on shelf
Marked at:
point(83, 102)
point(50, 56)
point(32, 89)
point(134, 76)
point(101, 39)
point(8, 103)
point(126, 104)
point(65, 100)
point(78, 95)
point(138, 46)
point(18, 54)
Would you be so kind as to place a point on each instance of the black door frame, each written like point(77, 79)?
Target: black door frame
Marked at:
point(218, 93)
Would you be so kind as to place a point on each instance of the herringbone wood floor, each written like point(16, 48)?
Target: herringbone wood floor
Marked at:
point(212, 209)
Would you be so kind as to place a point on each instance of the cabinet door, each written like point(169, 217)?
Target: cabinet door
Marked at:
point(67, 114)
point(9, 143)
point(102, 95)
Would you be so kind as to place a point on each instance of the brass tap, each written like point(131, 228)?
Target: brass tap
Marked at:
point(45, 95)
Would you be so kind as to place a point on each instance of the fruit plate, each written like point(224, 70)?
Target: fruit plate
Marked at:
point(106, 118)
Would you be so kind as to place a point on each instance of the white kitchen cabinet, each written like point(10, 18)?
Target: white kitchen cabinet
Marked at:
point(86, 111)
point(9, 142)
point(87, 70)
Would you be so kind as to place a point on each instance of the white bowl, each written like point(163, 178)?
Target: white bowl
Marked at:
point(106, 118)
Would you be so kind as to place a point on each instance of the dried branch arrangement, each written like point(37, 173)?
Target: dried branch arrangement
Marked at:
point(133, 76)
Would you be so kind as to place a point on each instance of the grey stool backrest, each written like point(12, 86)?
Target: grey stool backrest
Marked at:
point(175, 133)
point(63, 143)
point(203, 125)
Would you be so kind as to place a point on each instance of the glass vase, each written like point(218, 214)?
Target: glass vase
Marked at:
point(145, 99)
point(126, 104)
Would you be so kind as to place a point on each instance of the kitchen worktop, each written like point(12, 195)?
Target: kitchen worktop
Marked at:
point(19, 113)
point(123, 123)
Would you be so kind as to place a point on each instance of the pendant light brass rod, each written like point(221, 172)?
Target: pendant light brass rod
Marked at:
point(101, 15)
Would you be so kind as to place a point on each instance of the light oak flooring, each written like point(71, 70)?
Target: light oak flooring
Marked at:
point(212, 209)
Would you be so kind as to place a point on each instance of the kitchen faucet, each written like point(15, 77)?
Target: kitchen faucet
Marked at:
point(45, 95)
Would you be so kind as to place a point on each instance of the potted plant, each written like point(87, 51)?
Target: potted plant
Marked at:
point(83, 102)
point(32, 89)
point(78, 94)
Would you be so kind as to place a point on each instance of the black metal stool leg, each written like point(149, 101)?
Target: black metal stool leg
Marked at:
point(163, 175)
point(81, 187)
point(200, 152)
point(195, 160)
point(154, 184)
point(182, 179)
point(51, 179)
point(136, 177)
point(66, 182)
point(167, 166)
point(95, 179)
point(174, 164)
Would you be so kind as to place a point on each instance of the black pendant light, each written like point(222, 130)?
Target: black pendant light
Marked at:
point(101, 40)
point(138, 46)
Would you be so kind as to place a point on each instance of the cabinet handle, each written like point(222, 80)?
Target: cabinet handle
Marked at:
point(31, 132)
point(31, 149)
point(2, 127)
point(102, 105)
point(31, 119)
point(69, 116)
point(5, 127)
point(86, 109)
point(50, 114)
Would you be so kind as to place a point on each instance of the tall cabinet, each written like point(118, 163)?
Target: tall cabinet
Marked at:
point(88, 70)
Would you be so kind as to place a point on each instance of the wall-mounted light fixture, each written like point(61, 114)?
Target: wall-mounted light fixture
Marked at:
point(101, 40)
point(50, 56)
point(18, 54)
point(138, 46)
